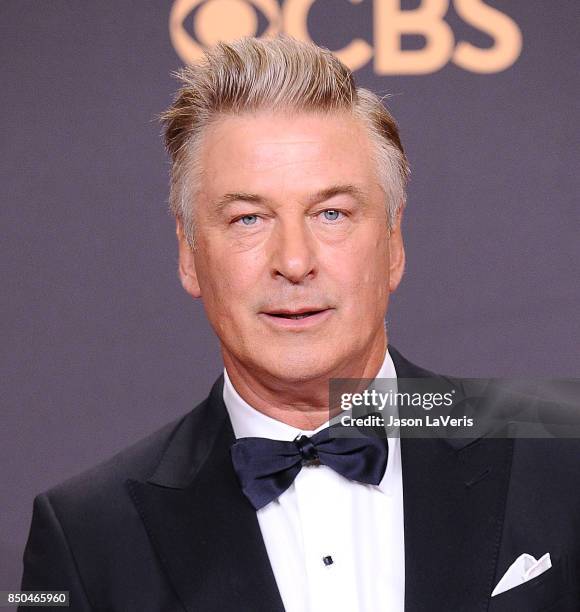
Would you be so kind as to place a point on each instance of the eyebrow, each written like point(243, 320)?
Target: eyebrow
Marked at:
point(320, 196)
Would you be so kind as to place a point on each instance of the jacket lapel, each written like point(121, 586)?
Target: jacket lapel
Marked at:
point(454, 494)
point(200, 524)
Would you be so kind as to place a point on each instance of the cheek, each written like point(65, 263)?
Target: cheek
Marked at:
point(228, 281)
point(365, 278)
point(368, 268)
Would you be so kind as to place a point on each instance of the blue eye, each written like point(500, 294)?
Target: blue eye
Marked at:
point(248, 219)
point(331, 215)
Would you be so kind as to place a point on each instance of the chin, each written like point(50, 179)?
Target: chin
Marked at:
point(298, 369)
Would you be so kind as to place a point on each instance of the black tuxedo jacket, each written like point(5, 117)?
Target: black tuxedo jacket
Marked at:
point(164, 526)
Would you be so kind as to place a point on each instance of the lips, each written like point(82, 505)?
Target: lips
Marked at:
point(297, 319)
point(300, 313)
point(294, 316)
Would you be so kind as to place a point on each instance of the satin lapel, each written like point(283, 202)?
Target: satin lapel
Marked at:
point(201, 526)
point(454, 495)
point(454, 505)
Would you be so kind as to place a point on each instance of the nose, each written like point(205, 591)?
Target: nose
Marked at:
point(293, 251)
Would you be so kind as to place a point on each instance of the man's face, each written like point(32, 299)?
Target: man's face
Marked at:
point(294, 260)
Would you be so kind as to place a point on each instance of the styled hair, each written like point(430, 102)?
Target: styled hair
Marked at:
point(281, 74)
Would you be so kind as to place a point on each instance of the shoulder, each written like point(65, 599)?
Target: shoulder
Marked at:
point(100, 494)
point(536, 455)
point(97, 488)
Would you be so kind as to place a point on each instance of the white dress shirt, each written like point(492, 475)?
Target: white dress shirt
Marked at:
point(322, 514)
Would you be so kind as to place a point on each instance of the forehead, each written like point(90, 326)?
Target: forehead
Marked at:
point(275, 153)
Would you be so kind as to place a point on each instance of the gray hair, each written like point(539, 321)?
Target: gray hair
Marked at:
point(253, 74)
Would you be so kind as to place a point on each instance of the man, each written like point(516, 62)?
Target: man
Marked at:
point(288, 186)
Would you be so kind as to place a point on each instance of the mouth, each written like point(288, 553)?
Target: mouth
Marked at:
point(296, 315)
point(298, 318)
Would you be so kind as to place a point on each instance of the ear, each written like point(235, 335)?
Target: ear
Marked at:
point(187, 271)
point(396, 253)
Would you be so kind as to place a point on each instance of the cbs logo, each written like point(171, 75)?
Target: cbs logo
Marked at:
point(215, 20)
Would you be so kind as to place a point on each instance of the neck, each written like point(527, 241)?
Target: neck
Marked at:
point(303, 405)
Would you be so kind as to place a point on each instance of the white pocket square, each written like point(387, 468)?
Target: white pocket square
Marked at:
point(524, 568)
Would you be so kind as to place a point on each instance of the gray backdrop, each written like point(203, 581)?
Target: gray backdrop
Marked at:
point(100, 344)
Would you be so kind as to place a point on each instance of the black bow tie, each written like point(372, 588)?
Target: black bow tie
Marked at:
point(266, 468)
